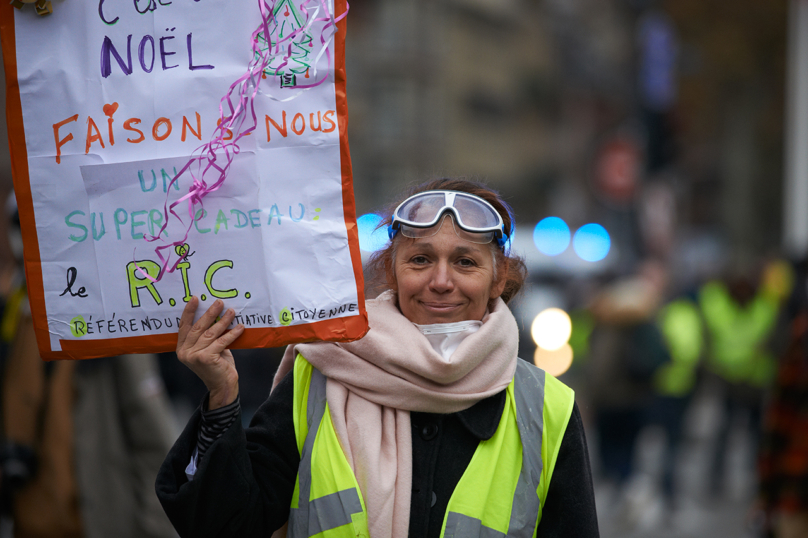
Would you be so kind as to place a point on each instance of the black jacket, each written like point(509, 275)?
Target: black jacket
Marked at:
point(243, 486)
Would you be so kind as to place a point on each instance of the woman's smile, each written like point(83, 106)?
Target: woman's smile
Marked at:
point(443, 278)
point(440, 307)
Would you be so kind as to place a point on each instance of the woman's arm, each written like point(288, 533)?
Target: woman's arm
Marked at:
point(202, 347)
point(244, 483)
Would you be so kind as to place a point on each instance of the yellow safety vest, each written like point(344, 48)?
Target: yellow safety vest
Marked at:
point(500, 494)
point(681, 326)
point(738, 335)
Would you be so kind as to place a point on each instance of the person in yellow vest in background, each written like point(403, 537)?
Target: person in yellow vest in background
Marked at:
point(740, 318)
point(719, 335)
point(429, 426)
point(681, 326)
point(674, 382)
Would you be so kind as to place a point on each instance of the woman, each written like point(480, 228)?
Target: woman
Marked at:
point(427, 426)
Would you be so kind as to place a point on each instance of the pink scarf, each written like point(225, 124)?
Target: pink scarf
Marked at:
point(375, 382)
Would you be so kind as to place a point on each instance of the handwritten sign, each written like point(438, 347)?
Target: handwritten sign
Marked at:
point(108, 101)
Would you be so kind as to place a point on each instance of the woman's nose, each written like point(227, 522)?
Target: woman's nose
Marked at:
point(441, 281)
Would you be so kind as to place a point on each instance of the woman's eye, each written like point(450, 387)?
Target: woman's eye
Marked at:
point(466, 262)
point(419, 260)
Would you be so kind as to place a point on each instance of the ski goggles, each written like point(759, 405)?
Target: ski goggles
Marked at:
point(474, 219)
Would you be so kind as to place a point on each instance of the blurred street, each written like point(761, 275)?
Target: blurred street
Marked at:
point(640, 510)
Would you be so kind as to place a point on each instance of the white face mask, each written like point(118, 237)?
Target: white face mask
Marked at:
point(446, 337)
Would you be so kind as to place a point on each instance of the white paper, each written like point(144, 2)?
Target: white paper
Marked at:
point(273, 240)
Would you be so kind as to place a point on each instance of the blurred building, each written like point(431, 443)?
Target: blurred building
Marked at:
point(529, 94)
point(456, 87)
point(526, 93)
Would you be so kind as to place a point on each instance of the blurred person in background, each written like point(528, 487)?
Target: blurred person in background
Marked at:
point(740, 317)
point(12, 293)
point(82, 440)
point(674, 384)
point(10, 271)
point(783, 462)
point(625, 349)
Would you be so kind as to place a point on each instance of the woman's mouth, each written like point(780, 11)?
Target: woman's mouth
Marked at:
point(439, 306)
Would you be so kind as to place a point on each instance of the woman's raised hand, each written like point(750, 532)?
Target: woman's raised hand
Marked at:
point(202, 347)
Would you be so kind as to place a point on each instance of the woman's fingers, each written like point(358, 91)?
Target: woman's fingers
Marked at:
point(187, 320)
point(222, 342)
point(203, 324)
point(202, 347)
point(215, 330)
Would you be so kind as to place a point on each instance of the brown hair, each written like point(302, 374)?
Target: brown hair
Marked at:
point(379, 269)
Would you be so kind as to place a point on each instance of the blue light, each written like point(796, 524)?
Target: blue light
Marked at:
point(591, 242)
point(552, 236)
point(371, 239)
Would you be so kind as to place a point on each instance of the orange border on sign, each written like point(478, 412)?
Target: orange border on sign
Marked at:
point(339, 329)
point(22, 185)
point(348, 200)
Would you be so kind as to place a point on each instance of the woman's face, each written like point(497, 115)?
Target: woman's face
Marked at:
point(443, 278)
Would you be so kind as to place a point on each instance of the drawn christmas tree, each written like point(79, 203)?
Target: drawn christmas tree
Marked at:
point(289, 58)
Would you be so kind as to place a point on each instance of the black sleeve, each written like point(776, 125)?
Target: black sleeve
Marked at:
point(569, 510)
point(243, 487)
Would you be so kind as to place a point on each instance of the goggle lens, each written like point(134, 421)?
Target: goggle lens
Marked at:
point(480, 238)
point(473, 214)
point(423, 208)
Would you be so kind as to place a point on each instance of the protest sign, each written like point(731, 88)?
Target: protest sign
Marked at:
point(112, 108)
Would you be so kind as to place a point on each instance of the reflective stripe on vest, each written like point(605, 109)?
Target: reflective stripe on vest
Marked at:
point(529, 394)
point(312, 517)
point(527, 391)
point(505, 482)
